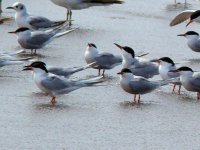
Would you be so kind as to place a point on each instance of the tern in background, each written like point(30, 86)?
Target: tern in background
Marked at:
point(189, 79)
point(34, 40)
point(138, 66)
point(23, 19)
point(193, 40)
point(102, 60)
point(138, 85)
point(55, 85)
point(82, 4)
point(166, 64)
point(191, 15)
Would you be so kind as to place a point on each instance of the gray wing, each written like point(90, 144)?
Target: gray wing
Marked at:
point(39, 22)
point(143, 86)
point(195, 82)
point(55, 83)
point(108, 60)
point(39, 39)
point(183, 16)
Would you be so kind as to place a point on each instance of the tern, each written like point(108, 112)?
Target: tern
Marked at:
point(102, 60)
point(23, 19)
point(55, 85)
point(138, 66)
point(82, 4)
point(189, 79)
point(193, 40)
point(191, 15)
point(137, 85)
point(166, 64)
point(34, 40)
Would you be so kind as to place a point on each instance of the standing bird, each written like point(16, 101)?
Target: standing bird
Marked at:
point(189, 79)
point(193, 40)
point(138, 66)
point(191, 15)
point(102, 60)
point(34, 40)
point(166, 64)
point(137, 85)
point(55, 85)
point(23, 19)
point(82, 4)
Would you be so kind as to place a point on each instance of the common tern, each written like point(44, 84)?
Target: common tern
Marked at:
point(189, 79)
point(24, 19)
point(191, 15)
point(34, 40)
point(82, 4)
point(193, 40)
point(138, 66)
point(102, 60)
point(166, 64)
point(55, 85)
point(137, 85)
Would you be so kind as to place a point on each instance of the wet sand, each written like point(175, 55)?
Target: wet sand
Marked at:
point(101, 117)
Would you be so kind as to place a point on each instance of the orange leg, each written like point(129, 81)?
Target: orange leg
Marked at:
point(139, 99)
point(174, 88)
point(103, 72)
point(198, 95)
point(99, 72)
point(135, 99)
point(179, 90)
point(53, 99)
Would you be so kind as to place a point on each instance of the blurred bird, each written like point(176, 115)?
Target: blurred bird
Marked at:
point(166, 64)
point(138, 85)
point(193, 40)
point(189, 79)
point(55, 85)
point(82, 4)
point(191, 15)
point(34, 40)
point(23, 19)
point(138, 66)
point(102, 60)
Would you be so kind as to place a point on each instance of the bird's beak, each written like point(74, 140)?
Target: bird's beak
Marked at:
point(12, 32)
point(189, 23)
point(27, 68)
point(121, 47)
point(9, 8)
point(173, 71)
point(119, 72)
point(181, 34)
point(156, 61)
point(89, 45)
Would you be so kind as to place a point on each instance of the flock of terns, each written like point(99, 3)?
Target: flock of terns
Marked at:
point(35, 32)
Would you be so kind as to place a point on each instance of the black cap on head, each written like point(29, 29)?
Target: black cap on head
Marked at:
point(92, 45)
point(126, 70)
point(39, 64)
point(167, 59)
point(191, 33)
point(129, 50)
point(195, 15)
point(184, 68)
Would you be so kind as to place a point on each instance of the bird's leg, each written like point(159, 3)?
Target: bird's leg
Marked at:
point(134, 98)
point(103, 72)
point(99, 72)
point(70, 17)
point(53, 99)
point(139, 99)
point(179, 90)
point(174, 87)
point(35, 52)
point(31, 51)
point(175, 1)
point(67, 19)
point(198, 95)
point(0, 6)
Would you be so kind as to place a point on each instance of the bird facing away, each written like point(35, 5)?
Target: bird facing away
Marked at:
point(82, 4)
point(23, 19)
point(34, 40)
point(55, 85)
point(137, 85)
point(102, 60)
point(189, 79)
point(138, 66)
point(166, 64)
point(191, 15)
point(193, 40)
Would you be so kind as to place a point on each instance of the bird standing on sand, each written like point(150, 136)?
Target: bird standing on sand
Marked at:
point(82, 4)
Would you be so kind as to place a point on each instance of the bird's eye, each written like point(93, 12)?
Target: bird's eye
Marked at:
point(21, 7)
point(16, 6)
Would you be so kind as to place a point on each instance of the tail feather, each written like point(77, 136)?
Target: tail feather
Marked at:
point(165, 82)
point(58, 23)
point(92, 81)
point(106, 1)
